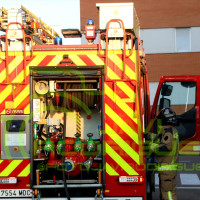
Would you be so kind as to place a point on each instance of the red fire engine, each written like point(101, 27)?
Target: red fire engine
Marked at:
point(72, 116)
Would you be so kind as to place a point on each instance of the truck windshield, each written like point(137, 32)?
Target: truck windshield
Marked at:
point(180, 96)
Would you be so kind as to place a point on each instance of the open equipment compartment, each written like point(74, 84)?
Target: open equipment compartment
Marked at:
point(67, 124)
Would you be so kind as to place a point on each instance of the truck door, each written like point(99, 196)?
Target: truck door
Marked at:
point(180, 93)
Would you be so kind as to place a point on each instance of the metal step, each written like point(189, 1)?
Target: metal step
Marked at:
point(68, 186)
point(79, 198)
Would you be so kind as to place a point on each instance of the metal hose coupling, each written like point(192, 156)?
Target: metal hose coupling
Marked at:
point(88, 163)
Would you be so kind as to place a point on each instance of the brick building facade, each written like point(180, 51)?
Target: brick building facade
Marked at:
point(170, 30)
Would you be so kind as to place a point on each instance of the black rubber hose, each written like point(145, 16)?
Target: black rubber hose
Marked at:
point(64, 148)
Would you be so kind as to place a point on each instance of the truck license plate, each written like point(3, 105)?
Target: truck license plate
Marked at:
point(16, 193)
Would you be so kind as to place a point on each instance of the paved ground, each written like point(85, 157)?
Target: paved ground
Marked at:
point(187, 180)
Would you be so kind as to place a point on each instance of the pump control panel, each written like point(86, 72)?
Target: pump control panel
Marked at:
point(15, 137)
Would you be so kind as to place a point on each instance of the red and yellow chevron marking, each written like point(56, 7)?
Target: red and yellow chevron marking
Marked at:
point(115, 66)
point(21, 93)
point(14, 168)
point(121, 129)
point(21, 98)
point(124, 155)
point(53, 58)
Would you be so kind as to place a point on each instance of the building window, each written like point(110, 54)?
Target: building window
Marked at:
point(183, 41)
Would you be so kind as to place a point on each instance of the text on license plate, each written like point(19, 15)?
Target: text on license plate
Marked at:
point(16, 193)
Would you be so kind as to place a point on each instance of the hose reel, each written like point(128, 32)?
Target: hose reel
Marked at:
point(41, 87)
point(77, 97)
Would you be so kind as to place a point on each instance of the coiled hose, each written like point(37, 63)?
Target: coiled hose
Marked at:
point(76, 100)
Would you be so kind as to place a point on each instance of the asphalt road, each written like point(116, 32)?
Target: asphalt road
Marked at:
point(187, 179)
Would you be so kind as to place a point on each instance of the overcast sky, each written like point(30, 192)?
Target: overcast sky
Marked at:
point(59, 14)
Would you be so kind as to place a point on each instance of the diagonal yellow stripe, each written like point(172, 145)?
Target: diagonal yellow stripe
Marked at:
point(112, 75)
point(121, 123)
point(5, 93)
point(3, 112)
point(76, 60)
point(116, 99)
point(126, 89)
point(119, 63)
point(115, 59)
point(110, 170)
point(35, 62)
point(14, 63)
point(2, 55)
point(55, 61)
point(25, 172)
point(1, 161)
point(130, 151)
point(120, 161)
point(10, 167)
point(27, 110)
point(3, 75)
point(19, 78)
point(23, 94)
point(134, 57)
point(95, 59)
point(130, 73)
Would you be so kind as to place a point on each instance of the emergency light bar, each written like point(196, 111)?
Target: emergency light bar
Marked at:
point(8, 180)
point(131, 179)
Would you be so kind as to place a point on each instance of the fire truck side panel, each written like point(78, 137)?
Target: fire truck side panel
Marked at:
point(14, 101)
point(123, 152)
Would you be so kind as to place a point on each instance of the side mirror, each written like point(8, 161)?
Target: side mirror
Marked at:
point(166, 90)
point(164, 103)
